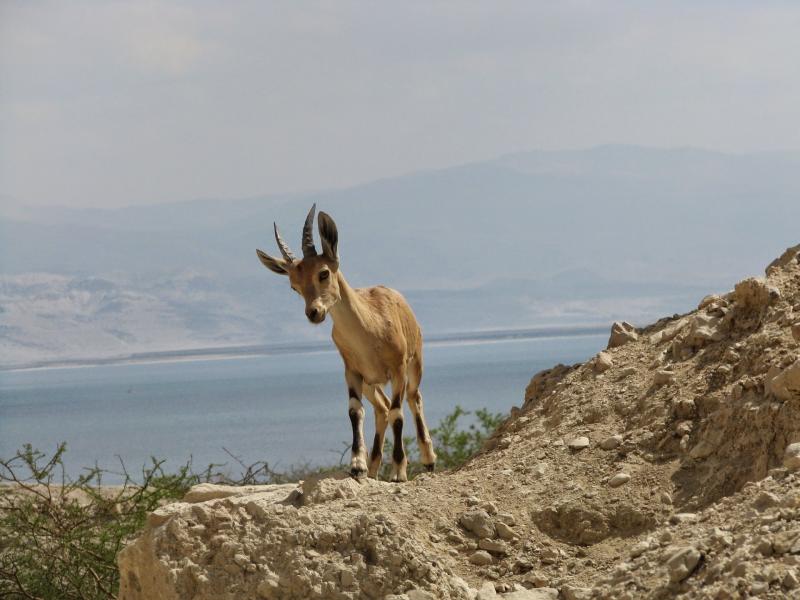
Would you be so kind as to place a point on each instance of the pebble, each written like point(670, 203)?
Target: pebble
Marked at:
point(543, 593)
point(481, 558)
point(663, 377)
point(683, 518)
point(791, 456)
point(504, 532)
point(619, 479)
point(610, 443)
point(506, 518)
point(493, 546)
point(790, 580)
point(578, 443)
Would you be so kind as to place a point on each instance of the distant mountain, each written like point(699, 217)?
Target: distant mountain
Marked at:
point(517, 241)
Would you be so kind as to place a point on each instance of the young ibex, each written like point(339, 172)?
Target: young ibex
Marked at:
point(378, 337)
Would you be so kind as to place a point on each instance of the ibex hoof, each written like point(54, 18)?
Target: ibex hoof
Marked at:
point(430, 468)
point(358, 472)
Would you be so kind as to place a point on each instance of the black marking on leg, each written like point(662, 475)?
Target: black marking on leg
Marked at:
point(396, 401)
point(398, 454)
point(377, 448)
point(352, 393)
point(429, 468)
point(355, 421)
point(420, 427)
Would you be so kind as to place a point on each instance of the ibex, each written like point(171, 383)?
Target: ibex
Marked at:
point(377, 335)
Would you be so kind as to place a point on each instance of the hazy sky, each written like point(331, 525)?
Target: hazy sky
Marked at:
point(114, 103)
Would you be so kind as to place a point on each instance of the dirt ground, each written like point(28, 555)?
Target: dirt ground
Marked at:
point(667, 465)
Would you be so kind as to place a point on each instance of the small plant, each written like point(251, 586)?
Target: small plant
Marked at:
point(59, 537)
point(454, 445)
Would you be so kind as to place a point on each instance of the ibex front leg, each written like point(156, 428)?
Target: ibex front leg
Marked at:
point(358, 461)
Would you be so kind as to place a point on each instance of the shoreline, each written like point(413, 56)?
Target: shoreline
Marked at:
point(252, 351)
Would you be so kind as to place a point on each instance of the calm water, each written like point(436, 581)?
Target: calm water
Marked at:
point(285, 409)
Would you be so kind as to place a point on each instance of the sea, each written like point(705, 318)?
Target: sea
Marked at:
point(287, 408)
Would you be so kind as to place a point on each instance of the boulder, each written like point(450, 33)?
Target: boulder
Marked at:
point(785, 386)
point(602, 362)
point(622, 332)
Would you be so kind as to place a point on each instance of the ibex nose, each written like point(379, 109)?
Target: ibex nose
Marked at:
point(312, 314)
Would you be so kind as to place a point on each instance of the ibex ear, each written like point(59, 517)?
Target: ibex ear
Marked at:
point(329, 236)
point(273, 264)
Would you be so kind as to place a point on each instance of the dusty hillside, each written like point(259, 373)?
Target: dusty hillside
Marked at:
point(663, 466)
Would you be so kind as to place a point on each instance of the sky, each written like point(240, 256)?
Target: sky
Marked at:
point(115, 103)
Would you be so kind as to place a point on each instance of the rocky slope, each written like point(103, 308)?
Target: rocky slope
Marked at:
point(667, 465)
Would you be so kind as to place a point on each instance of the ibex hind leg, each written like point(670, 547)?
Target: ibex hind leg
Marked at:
point(399, 460)
point(424, 441)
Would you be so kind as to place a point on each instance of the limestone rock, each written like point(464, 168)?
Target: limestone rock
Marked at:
point(612, 442)
point(619, 479)
point(663, 377)
point(542, 593)
point(622, 332)
point(578, 443)
point(504, 532)
point(785, 386)
point(481, 558)
point(478, 522)
point(753, 293)
point(682, 563)
point(602, 362)
point(493, 546)
point(791, 456)
point(486, 592)
point(324, 488)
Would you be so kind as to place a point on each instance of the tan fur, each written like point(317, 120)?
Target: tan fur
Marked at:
point(379, 340)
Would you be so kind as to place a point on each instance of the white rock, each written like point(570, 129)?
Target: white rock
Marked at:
point(619, 479)
point(602, 362)
point(486, 592)
point(791, 456)
point(682, 563)
point(683, 518)
point(420, 595)
point(622, 333)
point(542, 593)
point(640, 548)
point(578, 443)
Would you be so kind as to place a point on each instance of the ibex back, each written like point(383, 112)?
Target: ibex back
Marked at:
point(378, 337)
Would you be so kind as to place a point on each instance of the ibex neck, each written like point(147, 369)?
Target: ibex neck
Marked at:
point(349, 306)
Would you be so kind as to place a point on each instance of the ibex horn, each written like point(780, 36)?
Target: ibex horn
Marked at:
point(308, 234)
point(284, 247)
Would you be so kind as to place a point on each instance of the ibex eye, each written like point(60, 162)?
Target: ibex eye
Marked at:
point(323, 275)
